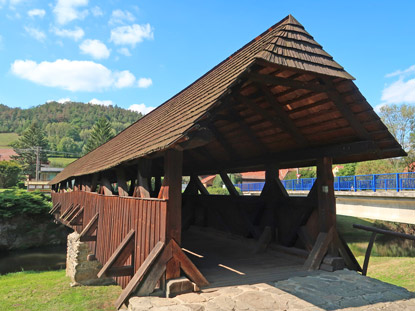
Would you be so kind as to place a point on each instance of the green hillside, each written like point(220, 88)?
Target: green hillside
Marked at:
point(6, 139)
point(67, 127)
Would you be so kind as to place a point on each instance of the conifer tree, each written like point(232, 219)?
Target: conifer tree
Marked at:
point(26, 147)
point(101, 133)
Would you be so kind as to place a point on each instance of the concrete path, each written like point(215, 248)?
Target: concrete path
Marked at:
point(340, 290)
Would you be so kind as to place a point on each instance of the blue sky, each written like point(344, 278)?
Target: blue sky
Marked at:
point(138, 54)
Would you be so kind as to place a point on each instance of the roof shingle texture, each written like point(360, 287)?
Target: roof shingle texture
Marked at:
point(286, 44)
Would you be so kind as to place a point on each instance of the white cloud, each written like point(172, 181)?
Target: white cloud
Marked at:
point(131, 35)
point(399, 92)
point(67, 10)
point(124, 79)
point(124, 51)
point(60, 101)
point(121, 17)
point(95, 48)
point(144, 83)
point(36, 13)
point(140, 108)
point(35, 33)
point(96, 11)
point(74, 34)
point(407, 71)
point(71, 75)
point(95, 101)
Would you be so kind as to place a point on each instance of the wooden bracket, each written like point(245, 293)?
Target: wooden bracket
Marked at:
point(319, 250)
point(124, 250)
point(71, 214)
point(229, 185)
point(67, 211)
point(153, 268)
point(77, 220)
point(55, 208)
point(86, 234)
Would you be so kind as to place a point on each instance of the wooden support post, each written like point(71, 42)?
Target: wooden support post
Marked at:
point(142, 189)
point(319, 250)
point(121, 183)
point(229, 185)
point(106, 186)
point(94, 182)
point(86, 234)
point(325, 193)
point(368, 251)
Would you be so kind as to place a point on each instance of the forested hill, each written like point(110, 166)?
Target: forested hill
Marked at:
point(79, 115)
point(67, 126)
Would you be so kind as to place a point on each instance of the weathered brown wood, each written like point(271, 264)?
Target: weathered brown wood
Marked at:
point(155, 272)
point(295, 84)
point(138, 276)
point(173, 192)
point(223, 142)
point(200, 186)
point(325, 190)
point(55, 208)
point(305, 238)
point(117, 253)
point(94, 182)
point(143, 174)
point(319, 250)
point(78, 218)
point(264, 240)
point(187, 266)
point(229, 185)
point(283, 118)
point(348, 256)
point(67, 211)
point(121, 183)
point(86, 234)
point(195, 139)
point(368, 252)
point(120, 271)
point(172, 269)
point(191, 188)
point(72, 213)
point(106, 186)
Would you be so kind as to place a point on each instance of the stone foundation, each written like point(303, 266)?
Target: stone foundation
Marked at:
point(78, 268)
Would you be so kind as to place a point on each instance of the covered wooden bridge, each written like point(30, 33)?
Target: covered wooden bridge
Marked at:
point(280, 101)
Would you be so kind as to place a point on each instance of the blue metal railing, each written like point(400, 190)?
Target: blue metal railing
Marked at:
point(372, 182)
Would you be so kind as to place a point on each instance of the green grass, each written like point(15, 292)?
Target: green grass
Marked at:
point(6, 139)
point(50, 290)
point(60, 162)
point(394, 270)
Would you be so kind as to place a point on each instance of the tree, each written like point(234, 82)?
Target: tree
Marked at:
point(349, 169)
point(67, 144)
point(400, 120)
point(9, 173)
point(101, 133)
point(306, 172)
point(26, 147)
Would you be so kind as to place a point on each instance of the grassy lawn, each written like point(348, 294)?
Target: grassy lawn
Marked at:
point(60, 162)
point(6, 139)
point(391, 261)
point(50, 290)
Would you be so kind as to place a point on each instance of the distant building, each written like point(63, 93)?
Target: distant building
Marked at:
point(46, 174)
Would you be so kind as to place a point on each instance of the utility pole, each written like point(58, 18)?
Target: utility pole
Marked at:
point(37, 163)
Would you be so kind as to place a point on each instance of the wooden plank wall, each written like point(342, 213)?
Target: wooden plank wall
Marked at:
point(117, 216)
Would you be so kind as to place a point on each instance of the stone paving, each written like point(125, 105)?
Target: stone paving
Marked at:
point(340, 290)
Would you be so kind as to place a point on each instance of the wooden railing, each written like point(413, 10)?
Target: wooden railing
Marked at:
point(117, 216)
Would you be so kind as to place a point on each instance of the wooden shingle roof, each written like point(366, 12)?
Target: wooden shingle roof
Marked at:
point(285, 44)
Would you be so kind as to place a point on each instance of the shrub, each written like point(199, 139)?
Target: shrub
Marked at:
point(20, 202)
point(10, 173)
point(220, 190)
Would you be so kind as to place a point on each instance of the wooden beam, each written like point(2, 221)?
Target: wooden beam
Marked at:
point(195, 139)
point(142, 187)
point(282, 117)
point(319, 250)
point(121, 183)
point(86, 234)
point(229, 185)
point(199, 185)
point(187, 265)
point(295, 84)
point(138, 276)
point(120, 271)
point(77, 220)
point(348, 256)
point(325, 192)
point(223, 142)
point(55, 208)
point(126, 246)
point(106, 186)
point(346, 112)
point(173, 162)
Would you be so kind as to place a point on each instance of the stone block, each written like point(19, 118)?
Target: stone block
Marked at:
point(179, 286)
